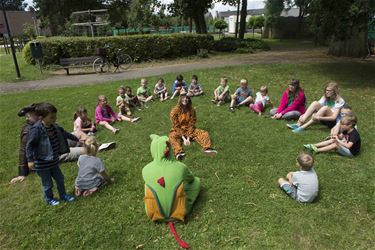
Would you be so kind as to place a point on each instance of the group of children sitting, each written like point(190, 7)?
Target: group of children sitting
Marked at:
point(43, 142)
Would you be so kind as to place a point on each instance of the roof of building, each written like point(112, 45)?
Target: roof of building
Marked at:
point(252, 12)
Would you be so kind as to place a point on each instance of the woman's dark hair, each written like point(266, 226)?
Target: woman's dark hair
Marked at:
point(188, 106)
point(296, 84)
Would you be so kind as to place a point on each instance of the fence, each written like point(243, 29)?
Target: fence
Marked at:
point(161, 30)
point(19, 43)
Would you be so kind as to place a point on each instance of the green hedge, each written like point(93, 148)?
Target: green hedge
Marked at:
point(140, 47)
point(232, 44)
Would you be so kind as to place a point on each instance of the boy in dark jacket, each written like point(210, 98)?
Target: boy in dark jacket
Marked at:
point(46, 142)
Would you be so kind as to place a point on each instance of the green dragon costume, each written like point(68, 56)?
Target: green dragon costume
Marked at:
point(170, 188)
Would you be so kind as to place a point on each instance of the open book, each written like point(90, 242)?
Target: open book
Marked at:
point(106, 146)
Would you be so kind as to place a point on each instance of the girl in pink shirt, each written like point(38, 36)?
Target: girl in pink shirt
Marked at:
point(104, 114)
point(82, 124)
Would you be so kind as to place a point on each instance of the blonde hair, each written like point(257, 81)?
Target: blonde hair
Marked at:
point(101, 98)
point(306, 161)
point(243, 81)
point(91, 146)
point(121, 87)
point(143, 80)
point(224, 78)
point(349, 119)
point(264, 89)
point(334, 86)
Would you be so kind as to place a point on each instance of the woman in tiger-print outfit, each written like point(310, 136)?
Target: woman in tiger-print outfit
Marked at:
point(183, 119)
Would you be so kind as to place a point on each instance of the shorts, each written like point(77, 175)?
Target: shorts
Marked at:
point(344, 151)
point(289, 190)
point(329, 124)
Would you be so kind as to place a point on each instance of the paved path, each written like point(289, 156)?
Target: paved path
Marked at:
point(266, 57)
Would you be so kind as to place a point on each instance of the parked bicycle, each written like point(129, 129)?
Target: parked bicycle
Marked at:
point(119, 59)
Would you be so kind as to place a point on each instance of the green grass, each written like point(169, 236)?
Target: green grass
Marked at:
point(240, 205)
point(28, 72)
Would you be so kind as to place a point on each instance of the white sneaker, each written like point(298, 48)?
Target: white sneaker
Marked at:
point(135, 119)
point(180, 156)
point(210, 152)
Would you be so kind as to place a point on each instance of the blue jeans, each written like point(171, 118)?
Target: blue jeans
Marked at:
point(46, 178)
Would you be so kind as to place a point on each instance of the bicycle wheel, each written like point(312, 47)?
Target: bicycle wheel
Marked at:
point(100, 66)
point(124, 61)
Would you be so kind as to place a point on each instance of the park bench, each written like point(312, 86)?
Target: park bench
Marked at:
point(77, 62)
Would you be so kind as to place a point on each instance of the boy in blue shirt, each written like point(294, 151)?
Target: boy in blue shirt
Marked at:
point(242, 96)
point(46, 142)
point(195, 89)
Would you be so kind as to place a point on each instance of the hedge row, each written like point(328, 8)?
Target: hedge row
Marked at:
point(232, 44)
point(140, 47)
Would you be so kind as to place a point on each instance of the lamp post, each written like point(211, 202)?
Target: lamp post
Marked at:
point(11, 43)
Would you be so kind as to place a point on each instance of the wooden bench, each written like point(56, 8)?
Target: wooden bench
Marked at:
point(77, 62)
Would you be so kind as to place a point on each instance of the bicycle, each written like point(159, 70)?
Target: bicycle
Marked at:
point(120, 60)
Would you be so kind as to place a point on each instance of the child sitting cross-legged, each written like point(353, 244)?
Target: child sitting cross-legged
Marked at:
point(347, 143)
point(303, 185)
point(221, 93)
point(261, 101)
point(91, 171)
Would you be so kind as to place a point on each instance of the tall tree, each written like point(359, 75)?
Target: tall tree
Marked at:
point(13, 4)
point(346, 23)
point(118, 11)
point(142, 12)
point(56, 13)
point(241, 32)
point(192, 9)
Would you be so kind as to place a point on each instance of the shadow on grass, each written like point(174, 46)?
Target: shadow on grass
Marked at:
point(349, 74)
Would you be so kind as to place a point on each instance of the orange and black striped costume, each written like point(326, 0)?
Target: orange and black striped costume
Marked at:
point(184, 125)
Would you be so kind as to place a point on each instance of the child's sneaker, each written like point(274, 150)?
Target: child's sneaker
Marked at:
point(67, 198)
point(210, 152)
point(311, 147)
point(53, 202)
point(180, 155)
point(231, 109)
point(135, 119)
point(292, 126)
point(213, 101)
point(298, 130)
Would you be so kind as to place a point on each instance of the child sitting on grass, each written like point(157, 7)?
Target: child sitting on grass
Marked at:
point(348, 143)
point(131, 99)
point(195, 89)
point(160, 90)
point(104, 115)
point(143, 93)
point(261, 101)
point(178, 86)
point(82, 124)
point(242, 96)
point(46, 142)
point(91, 171)
point(221, 93)
point(303, 185)
point(121, 102)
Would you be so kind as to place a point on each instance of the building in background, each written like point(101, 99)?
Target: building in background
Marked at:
point(17, 20)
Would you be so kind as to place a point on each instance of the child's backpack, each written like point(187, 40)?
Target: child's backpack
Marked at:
point(170, 188)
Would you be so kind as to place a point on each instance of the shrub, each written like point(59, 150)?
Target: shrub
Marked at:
point(140, 47)
point(232, 44)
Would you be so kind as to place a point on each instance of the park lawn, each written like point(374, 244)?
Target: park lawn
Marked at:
point(240, 205)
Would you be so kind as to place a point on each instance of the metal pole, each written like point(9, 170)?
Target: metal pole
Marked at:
point(11, 45)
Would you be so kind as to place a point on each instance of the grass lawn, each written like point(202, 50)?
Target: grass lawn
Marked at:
point(28, 72)
point(240, 205)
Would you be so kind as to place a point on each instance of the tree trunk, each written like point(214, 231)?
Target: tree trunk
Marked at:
point(238, 14)
point(200, 22)
point(241, 34)
point(354, 46)
point(190, 25)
